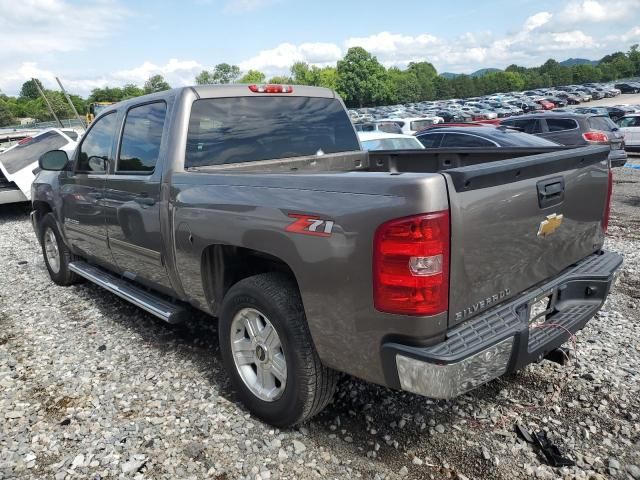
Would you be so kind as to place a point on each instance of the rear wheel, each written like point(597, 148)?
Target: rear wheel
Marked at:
point(268, 352)
point(57, 256)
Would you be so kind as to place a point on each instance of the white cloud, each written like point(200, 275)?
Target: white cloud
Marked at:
point(38, 27)
point(280, 58)
point(580, 12)
point(537, 20)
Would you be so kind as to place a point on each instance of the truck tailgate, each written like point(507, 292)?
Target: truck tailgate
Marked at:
point(515, 223)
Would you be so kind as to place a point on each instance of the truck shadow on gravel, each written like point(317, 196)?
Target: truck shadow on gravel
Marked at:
point(403, 424)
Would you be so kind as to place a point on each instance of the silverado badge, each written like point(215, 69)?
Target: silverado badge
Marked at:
point(548, 226)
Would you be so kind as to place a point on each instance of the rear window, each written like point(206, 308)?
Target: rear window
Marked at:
point(603, 123)
point(430, 140)
point(247, 129)
point(417, 125)
point(559, 124)
point(24, 155)
point(463, 140)
point(389, 127)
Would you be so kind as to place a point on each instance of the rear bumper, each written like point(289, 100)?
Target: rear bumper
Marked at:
point(500, 340)
point(618, 158)
point(11, 195)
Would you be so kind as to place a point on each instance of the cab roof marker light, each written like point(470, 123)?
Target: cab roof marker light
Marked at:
point(271, 88)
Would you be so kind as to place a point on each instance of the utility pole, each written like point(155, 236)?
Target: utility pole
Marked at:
point(46, 100)
point(73, 107)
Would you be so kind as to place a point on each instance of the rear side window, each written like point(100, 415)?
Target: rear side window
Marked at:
point(389, 127)
point(29, 152)
point(247, 129)
point(603, 123)
point(530, 125)
point(463, 140)
point(95, 149)
point(417, 125)
point(141, 138)
point(559, 124)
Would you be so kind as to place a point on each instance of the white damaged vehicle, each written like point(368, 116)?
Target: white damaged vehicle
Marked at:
point(19, 163)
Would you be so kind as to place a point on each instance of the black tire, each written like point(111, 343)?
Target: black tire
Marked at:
point(62, 275)
point(309, 385)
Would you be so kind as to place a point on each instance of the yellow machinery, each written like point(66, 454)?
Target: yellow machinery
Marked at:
point(95, 108)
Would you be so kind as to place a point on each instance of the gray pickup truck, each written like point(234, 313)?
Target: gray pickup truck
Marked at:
point(427, 271)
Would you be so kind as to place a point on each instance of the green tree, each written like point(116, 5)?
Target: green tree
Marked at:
point(156, 83)
point(252, 76)
point(442, 88)
point(463, 86)
point(130, 90)
point(6, 117)
point(280, 79)
point(302, 74)
point(362, 80)
point(221, 73)
point(106, 94)
point(634, 58)
point(425, 73)
point(30, 90)
point(585, 73)
point(403, 86)
point(204, 78)
point(326, 77)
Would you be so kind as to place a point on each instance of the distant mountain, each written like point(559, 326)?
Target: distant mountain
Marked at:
point(569, 62)
point(477, 73)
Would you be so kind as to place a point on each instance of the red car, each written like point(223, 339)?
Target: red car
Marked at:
point(546, 104)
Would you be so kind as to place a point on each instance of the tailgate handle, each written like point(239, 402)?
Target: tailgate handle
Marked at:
point(550, 192)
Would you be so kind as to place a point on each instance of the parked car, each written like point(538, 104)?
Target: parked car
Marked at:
point(628, 87)
point(575, 129)
point(255, 205)
point(479, 137)
point(388, 141)
point(546, 104)
point(630, 126)
point(19, 163)
point(378, 126)
point(411, 125)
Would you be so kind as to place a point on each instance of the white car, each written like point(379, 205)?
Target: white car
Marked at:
point(389, 141)
point(630, 126)
point(19, 163)
point(411, 125)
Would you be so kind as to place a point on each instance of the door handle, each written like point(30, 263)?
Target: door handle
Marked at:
point(145, 200)
point(96, 195)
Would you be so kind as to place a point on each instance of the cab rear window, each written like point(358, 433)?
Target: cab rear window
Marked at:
point(247, 129)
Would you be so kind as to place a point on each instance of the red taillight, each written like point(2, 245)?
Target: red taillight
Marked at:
point(607, 208)
point(271, 88)
point(411, 265)
point(595, 137)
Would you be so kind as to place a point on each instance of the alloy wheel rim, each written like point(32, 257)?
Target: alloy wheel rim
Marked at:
point(258, 354)
point(51, 249)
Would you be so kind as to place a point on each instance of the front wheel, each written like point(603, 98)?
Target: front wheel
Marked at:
point(57, 256)
point(267, 350)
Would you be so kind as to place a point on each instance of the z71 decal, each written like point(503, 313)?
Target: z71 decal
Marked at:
point(310, 225)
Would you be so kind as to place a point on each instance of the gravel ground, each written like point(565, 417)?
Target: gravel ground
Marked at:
point(91, 387)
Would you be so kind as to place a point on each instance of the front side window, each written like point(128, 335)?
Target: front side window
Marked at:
point(95, 149)
point(141, 138)
point(248, 129)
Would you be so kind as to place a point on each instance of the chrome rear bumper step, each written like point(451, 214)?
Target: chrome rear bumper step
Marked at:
point(161, 308)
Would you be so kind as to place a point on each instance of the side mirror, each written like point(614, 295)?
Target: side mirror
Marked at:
point(55, 160)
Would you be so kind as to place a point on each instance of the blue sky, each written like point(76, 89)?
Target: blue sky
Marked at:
point(90, 43)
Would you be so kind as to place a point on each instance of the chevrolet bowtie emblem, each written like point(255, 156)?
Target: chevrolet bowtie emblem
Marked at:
point(548, 226)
